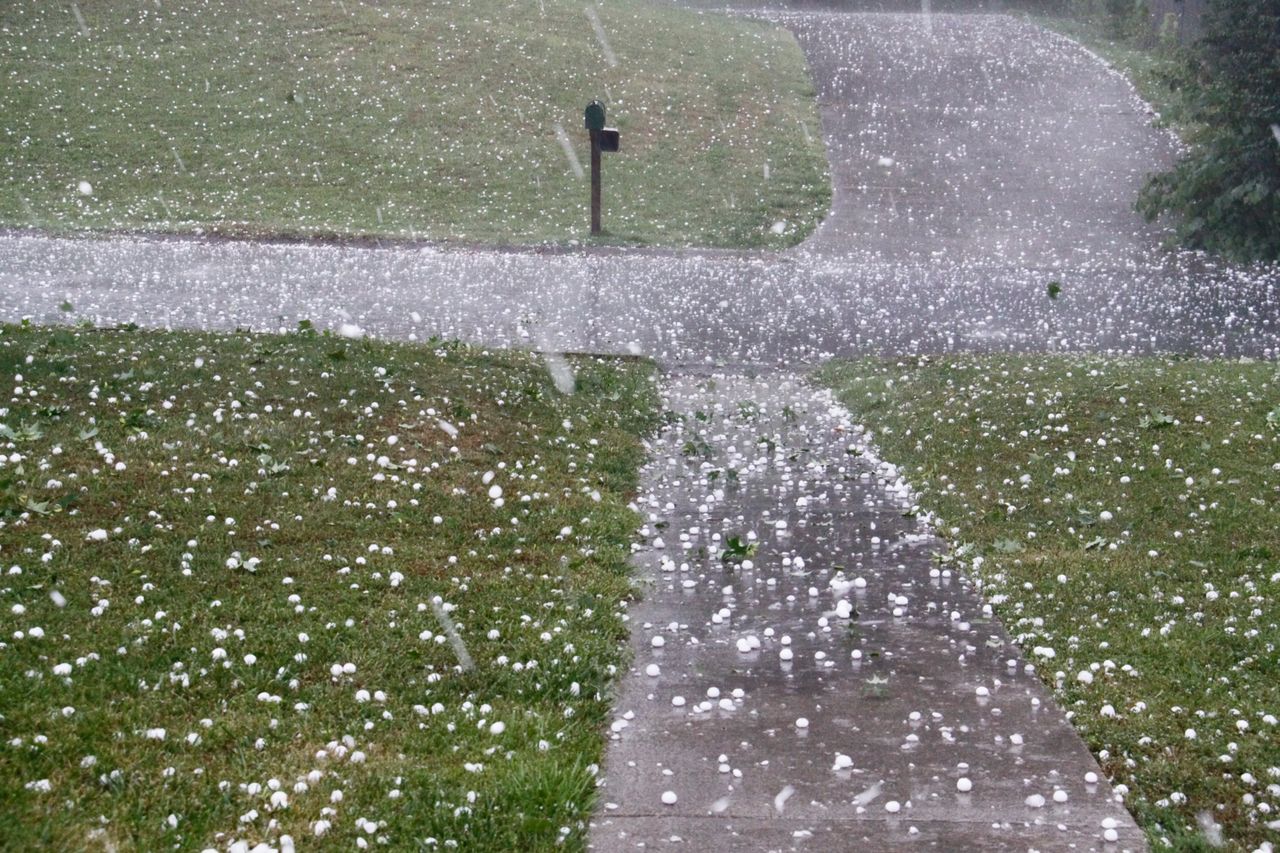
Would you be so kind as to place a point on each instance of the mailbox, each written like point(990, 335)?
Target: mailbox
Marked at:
point(602, 139)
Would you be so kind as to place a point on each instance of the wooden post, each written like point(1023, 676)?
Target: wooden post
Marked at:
point(595, 182)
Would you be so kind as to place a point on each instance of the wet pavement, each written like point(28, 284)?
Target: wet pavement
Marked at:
point(686, 309)
point(943, 145)
point(808, 673)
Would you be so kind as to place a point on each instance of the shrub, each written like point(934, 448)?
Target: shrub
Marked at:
point(1225, 192)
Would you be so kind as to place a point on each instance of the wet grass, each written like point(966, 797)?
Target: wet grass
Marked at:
point(1121, 515)
point(225, 563)
point(407, 119)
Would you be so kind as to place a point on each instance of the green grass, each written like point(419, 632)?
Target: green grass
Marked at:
point(252, 502)
point(423, 119)
point(1123, 513)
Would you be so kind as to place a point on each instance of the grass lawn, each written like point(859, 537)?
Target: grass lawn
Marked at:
point(407, 118)
point(230, 567)
point(1123, 516)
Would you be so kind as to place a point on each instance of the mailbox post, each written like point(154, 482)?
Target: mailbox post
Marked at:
point(602, 139)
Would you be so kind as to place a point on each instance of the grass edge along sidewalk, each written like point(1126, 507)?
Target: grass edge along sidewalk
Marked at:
point(258, 586)
point(452, 121)
point(1120, 514)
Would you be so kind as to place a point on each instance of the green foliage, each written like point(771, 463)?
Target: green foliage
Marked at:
point(1226, 191)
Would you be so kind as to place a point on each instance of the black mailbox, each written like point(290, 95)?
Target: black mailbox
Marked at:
point(609, 139)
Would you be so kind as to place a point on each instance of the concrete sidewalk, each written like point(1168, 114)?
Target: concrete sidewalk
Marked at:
point(838, 688)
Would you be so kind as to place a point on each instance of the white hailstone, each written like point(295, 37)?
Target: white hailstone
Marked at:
point(842, 762)
point(964, 785)
point(1060, 796)
point(362, 695)
point(669, 798)
point(859, 583)
point(802, 722)
point(1091, 778)
point(98, 535)
point(982, 691)
point(1107, 710)
point(497, 728)
point(844, 609)
point(677, 701)
point(1015, 739)
point(59, 600)
point(1189, 734)
point(62, 669)
point(1085, 677)
point(349, 668)
point(657, 642)
point(1110, 835)
point(653, 670)
point(893, 807)
point(1035, 801)
point(495, 492)
point(785, 654)
point(856, 654)
point(84, 188)
point(1105, 515)
point(744, 645)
